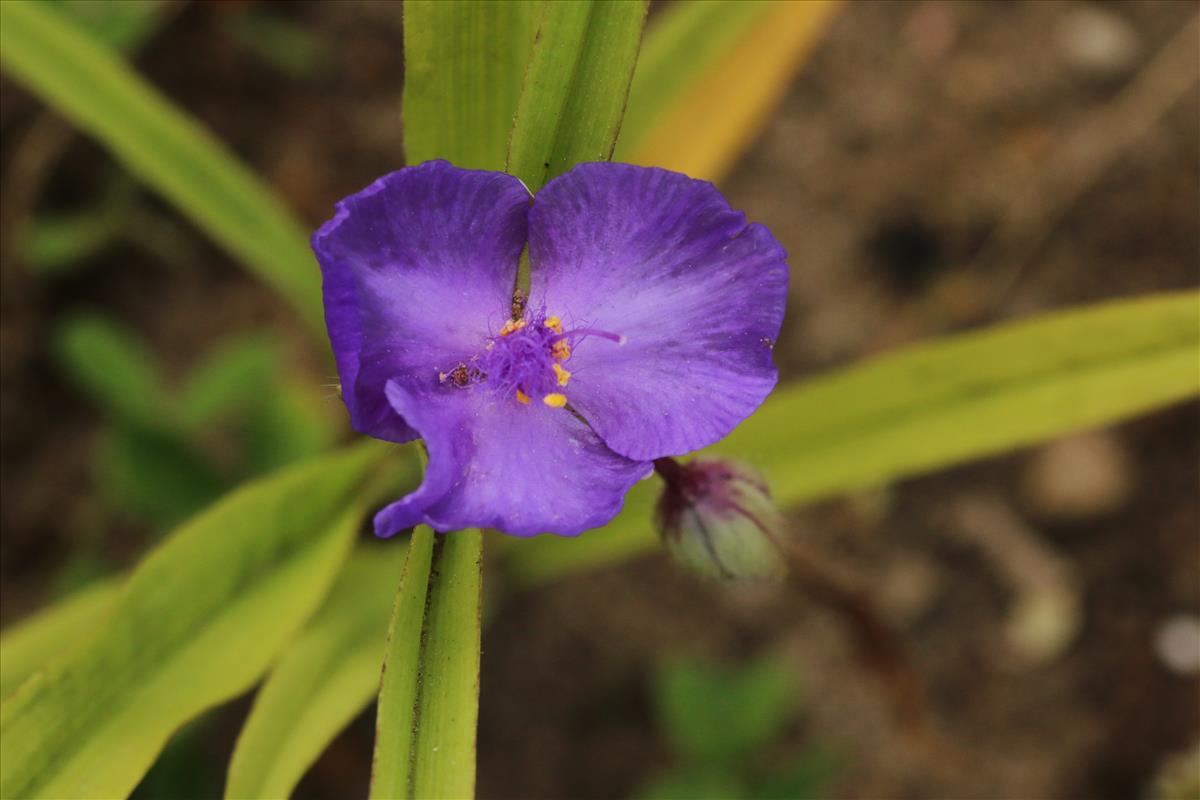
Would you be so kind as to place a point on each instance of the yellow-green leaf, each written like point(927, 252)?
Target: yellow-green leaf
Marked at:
point(198, 622)
point(931, 406)
point(33, 642)
point(324, 679)
point(463, 63)
point(160, 145)
point(709, 76)
point(575, 88)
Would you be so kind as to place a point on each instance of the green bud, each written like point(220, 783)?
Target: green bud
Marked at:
point(716, 517)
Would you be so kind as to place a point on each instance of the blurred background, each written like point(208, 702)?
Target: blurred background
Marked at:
point(1024, 627)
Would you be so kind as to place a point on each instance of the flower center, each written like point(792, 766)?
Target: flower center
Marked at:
point(526, 360)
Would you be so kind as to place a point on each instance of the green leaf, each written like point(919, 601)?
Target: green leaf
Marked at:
point(155, 474)
point(693, 782)
point(723, 715)
point(198, 623)
point(463, 64)
point(932, 406)
point(121, 24)
point(324, 679)
point(709, 75)
point(575, 88)
point(229, 380)
point(429, 701)
point(116, 369)
point(31, 643)
point(160, 145)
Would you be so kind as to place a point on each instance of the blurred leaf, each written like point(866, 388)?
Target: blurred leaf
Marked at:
point(324, 679)
point(286, 46)
point(709, 76)
point(431, 673)
point(284, 428)
point(718, 715)
point(185, 768)
point(52, 243)
point(463, 63)
point(159, 144)
point(692, 782)
point(931, 406)
point(804, 779)
point(575, 87)
point(198, 622)
point(31, 643)
point(116, 370)
point(120, 24)
point(230, 380)
point(155, 474)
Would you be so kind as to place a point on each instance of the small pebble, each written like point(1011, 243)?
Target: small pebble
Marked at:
point(1078, 477)
point(1178, 644)
point(1097, 42)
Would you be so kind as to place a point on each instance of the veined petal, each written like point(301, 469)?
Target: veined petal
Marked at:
point(697, 293)
point(524, 469)
point(416, 269)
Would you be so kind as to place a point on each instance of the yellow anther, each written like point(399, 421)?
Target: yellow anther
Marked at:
point(522, 398)
point(555, 400)
point(554, 324)
point(560, 350)
point(511, 326)
point(562, 375)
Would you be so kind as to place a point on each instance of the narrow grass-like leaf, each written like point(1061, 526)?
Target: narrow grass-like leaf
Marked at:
point(113, 367)
point(324, 679)
point(931, 406)
point(709, 75)
point(197, 623)
point(395, 725)
point(463, 64)
point(575, 88)
point(32, 643)
point(429, 703)
point(160, 145)
point(448, 702)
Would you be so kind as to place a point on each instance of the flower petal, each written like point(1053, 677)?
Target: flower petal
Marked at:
point(521, 469)
point(698, 294)
point(416, 268)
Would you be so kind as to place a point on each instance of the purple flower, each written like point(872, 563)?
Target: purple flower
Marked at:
point(648, 330)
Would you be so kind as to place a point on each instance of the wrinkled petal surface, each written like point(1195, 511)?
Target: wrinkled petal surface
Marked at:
point(522, 469)
point(698, 293)
point(416, 268)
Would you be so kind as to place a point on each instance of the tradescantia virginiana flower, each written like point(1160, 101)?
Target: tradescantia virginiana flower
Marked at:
point(652, 311)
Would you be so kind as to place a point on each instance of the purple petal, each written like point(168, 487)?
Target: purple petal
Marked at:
point(698, 294)
point(522, 469)
point(417, 267)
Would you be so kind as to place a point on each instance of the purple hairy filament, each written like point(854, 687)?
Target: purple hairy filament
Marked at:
point(527, 360)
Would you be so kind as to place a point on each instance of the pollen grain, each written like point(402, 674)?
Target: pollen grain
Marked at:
point(555, 400)
point(522, 398)
point(562, 375)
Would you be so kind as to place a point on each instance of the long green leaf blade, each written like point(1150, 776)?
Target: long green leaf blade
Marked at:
point(395, 726)
point(32, 643)
point(575, 88)
point(448, 704)
point(159, 144)
point(324, 679)
point(463, 64)
point(429, 701)
point(198, 622)
point(932, 406)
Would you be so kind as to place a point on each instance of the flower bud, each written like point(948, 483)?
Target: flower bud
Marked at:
point(716, 517)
